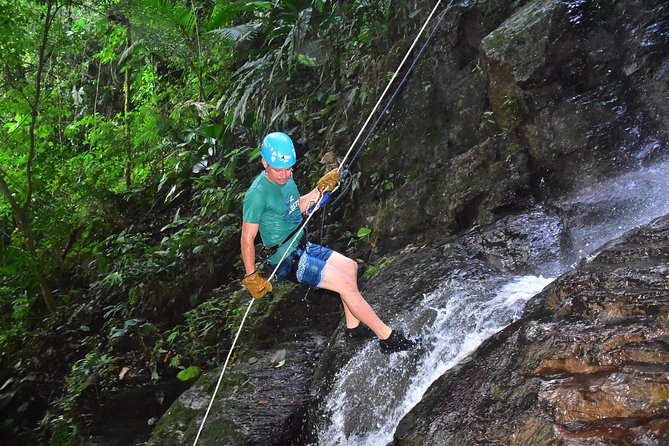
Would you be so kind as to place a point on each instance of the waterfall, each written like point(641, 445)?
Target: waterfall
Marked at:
point(604, 211)
point(373, 391)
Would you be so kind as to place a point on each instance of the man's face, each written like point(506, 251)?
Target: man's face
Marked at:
point(278, 176)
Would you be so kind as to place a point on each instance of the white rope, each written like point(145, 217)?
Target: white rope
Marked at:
point(316, 208)
point(392, 79)
point(234, 342)
point(297, 234)
point(220, 378)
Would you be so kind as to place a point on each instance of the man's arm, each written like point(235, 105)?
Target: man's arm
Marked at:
point(249, 232)
point(308, 200)
point(327, 183)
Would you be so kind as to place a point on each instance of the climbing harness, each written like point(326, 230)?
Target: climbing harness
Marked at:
point(345, 178)
point(265, 252)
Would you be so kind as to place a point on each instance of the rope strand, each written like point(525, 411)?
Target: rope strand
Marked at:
point(220, 378)
point(346, 171)
point(400, 85)
point(317, 207)
point(248, 309)
point(392, 79)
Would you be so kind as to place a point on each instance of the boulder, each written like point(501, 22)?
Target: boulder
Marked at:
point(588, 363)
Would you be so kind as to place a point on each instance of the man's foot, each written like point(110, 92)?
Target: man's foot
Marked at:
point(396, 342)
point(360, 332)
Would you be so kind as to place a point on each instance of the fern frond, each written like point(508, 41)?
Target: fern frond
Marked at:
point(174, 13)
point(238, 33)
point(290, 49)
point(127, 52)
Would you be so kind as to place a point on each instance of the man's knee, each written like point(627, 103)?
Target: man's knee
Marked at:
point(351, 284)
point(343, 283)
point(353, 265)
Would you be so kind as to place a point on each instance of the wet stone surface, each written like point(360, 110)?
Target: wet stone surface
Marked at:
point(589, 361)
point(264, 390)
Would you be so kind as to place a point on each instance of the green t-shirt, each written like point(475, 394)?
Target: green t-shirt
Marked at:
point(276, 209)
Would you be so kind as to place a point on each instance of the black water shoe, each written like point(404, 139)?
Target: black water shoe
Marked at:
point(360, 332)
point(396, 342)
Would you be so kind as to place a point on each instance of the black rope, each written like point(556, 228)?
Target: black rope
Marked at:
point(440, 19)
point(346, 174)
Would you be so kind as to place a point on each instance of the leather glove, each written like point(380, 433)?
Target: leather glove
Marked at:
point(257, 285)
point(328, 181)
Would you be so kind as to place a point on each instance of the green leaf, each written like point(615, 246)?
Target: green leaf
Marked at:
point(363, 232)
point(333, 98)
point(280, 364)
point(213, 131)
point(306, 60)
point(188, 373)
point(147, 329)
point(255, 154)
point(260, 5)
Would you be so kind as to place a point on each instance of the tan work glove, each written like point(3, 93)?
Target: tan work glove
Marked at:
point(257, 285)
point(328, 181)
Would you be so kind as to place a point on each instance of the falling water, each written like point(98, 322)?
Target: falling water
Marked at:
point(606, 210)
point(372, 392)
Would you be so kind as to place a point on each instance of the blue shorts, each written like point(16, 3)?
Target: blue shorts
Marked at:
point(305, 264)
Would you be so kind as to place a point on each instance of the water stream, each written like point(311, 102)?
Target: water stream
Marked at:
point(606, 210)
point(373, 391)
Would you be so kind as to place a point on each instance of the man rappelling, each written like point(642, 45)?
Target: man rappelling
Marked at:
point(273, 207)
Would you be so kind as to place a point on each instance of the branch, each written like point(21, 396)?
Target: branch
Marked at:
point(34, 105)
point(17, 210)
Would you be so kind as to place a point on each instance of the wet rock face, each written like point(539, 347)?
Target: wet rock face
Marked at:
point(527, 243)
point(587, 364)
point(577, 80)
point(265, 389)
point(519, 102)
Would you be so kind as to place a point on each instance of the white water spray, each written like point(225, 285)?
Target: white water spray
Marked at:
point(374, 391)
point(612, 207)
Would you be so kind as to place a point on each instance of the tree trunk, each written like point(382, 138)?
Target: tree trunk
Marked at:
point(23, 222)
point(126, 110)
point(22, 213)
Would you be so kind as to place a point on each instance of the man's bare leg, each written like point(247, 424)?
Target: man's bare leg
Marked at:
point(340, 276)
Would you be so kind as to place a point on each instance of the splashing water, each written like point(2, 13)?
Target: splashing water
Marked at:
point(374, 391)
point(606, 210)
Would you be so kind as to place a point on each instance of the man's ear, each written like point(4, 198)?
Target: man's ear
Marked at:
point(264, 163)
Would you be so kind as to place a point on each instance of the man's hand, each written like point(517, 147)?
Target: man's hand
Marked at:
point(257, 285)
point(324, 201)
point(328, 181)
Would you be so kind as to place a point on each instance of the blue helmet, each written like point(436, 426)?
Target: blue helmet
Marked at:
point(278, 150)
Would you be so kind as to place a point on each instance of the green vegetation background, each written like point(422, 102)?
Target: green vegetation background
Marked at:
point(129, 131)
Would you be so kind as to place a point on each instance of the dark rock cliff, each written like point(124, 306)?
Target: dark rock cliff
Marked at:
point(514, 105)
point(587, 364)
point(517, 104)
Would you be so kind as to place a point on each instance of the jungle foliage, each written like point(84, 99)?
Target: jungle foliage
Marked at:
point(129, 131)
